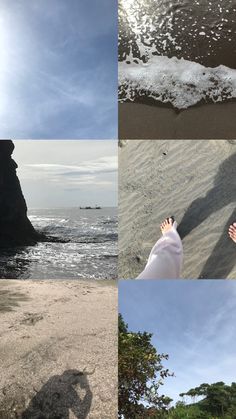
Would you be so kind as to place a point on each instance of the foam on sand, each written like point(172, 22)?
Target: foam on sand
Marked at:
point(181, 52)
point(179, 82)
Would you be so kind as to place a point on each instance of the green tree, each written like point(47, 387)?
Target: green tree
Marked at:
point(141, 373)
point(218, 400)
point(182, 411)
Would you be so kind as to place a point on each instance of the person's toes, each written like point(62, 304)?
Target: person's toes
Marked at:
point(167, 224)
point(164, 224)
point(232, 229)
point(232, 232)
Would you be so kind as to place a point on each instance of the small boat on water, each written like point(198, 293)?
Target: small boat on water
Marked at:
point(91, 208)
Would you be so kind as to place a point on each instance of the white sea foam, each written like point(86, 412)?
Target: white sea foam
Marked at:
point(180, 82)
point(199, 31)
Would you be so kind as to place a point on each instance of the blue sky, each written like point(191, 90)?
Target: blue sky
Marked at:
point(58, 69)
point(67, 173)
point(192, 321)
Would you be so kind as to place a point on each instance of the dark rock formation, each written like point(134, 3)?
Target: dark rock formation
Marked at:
point(15, 227)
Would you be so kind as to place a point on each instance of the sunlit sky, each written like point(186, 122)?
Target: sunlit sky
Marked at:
point(58, 69)
point(67, 173)
point(192, 321)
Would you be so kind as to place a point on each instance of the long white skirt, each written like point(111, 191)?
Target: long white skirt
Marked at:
point(166, 257)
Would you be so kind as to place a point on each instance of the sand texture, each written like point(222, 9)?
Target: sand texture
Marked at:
point(206, 121)
point(194, 180)
point(58, 350)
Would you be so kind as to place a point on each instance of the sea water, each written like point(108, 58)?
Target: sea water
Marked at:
point(89, 251)
point(177, 52)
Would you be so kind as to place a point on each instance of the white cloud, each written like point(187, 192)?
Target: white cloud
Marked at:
point(100, 165)
point(53, 77)
point(60, 173)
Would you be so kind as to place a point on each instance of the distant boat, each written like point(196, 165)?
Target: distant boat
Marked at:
point(92, 208)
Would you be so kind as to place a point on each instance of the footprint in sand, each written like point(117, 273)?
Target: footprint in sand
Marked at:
point(31, 319)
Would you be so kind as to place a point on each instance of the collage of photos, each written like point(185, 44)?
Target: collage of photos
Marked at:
point(118, 209)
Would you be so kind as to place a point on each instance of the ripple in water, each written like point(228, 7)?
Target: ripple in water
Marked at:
point(90, 253)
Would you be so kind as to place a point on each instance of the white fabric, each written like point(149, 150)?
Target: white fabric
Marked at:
point(166, 257)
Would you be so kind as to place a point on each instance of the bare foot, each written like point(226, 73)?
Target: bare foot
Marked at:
point(167, 225)
point(232, 232)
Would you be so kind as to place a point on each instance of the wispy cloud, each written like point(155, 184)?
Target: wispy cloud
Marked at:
point(87, 173)
point(63, 173)
point(102, 164)
point(192, 321)
point(58, 69)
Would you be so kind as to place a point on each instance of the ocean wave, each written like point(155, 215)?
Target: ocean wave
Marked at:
point(196, 30)
point(110, 222)
point(109, 256)
point(78, 247)
point(76, 235)
point(180, 82)
point(102, 238)
point(180, 53)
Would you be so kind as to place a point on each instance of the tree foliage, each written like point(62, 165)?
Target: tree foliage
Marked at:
point(141, 373)
point(218, 400)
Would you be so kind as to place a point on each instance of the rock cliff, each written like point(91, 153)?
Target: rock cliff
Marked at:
point(15, 227)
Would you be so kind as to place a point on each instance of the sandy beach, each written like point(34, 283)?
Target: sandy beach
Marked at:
point(58, 349)
point(140, 121)
point(190, 179)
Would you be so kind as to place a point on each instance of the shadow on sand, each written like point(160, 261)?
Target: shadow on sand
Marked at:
point(222, 260)
point(58, 397)
point(9, 299)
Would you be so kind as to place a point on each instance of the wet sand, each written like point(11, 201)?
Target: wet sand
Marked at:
point(53, 335)
point(200, 31)
point(210, 121)
point(192, 180)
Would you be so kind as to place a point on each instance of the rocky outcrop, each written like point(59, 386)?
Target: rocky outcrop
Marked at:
point(15, 227)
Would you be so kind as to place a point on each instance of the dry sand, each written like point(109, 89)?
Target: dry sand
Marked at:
point(50, 328)
point(194, 180)
point(206, 121)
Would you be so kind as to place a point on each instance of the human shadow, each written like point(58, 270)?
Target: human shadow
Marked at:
point(58, 396)
point(220, 195)
point(222, 259)
point(10, 299)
